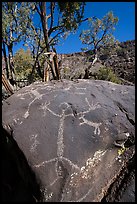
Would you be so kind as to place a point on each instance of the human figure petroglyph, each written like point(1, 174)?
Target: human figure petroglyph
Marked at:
point(66, 110)
point(65, 106)
point(62, 117)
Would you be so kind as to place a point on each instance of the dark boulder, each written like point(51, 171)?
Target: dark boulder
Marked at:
point(77, 136)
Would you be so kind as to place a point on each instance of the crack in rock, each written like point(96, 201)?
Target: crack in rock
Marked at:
point(126, 113)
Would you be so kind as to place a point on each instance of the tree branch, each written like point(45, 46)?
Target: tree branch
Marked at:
point(37, 9)
point(101, 37)
point(54, 29)
point(83, 20)
point(55, 36)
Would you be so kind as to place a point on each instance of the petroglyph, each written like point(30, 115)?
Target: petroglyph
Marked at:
point(35, 142)
point(92, 106)
point(73, 166)
point(51, 184)
point(22, 98)
point(86, 173)
point(42, 164)
point(16, 121)
point(63, 115)
point(90, 123)
point(45, 108)
point(23, 94)
point(60, 144)
point(45, 162)
point(81, 88)
point(37, 96)
point(80, 93)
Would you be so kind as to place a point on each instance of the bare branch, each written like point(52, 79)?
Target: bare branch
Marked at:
point(47, 17)
point(37, 9)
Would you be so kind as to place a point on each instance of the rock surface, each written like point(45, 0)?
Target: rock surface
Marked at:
point(68, 131)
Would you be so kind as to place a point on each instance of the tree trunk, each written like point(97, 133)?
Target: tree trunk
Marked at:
point(45, 31)
point(32, 72)
point(6, 84)
point(39, 70)
point(55, 60)
point(56, 65)
point(5, 59)
point(86, 76)
point(36, 63)
point(11, 65)
point(95, 58)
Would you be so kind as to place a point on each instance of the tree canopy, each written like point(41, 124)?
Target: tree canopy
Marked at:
point(99, 32)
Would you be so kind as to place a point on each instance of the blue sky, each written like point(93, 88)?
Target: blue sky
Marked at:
point(125, 29)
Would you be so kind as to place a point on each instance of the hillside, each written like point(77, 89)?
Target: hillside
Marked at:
point(121, 60)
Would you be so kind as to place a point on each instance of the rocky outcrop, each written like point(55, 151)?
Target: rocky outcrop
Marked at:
point(121, 60)
point(77, 137)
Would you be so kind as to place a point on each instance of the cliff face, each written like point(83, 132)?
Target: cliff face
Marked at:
point(121, 60)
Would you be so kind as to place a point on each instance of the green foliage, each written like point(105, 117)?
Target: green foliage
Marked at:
point(99, 32)
point(15, 21)
point(66, 70)
point(121, 150)
point(23, 63)
point(72, 13)
point(107, 74)
point(122, 52)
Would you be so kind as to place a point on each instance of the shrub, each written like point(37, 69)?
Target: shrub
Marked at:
point(107, 74)
point(66, 70)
